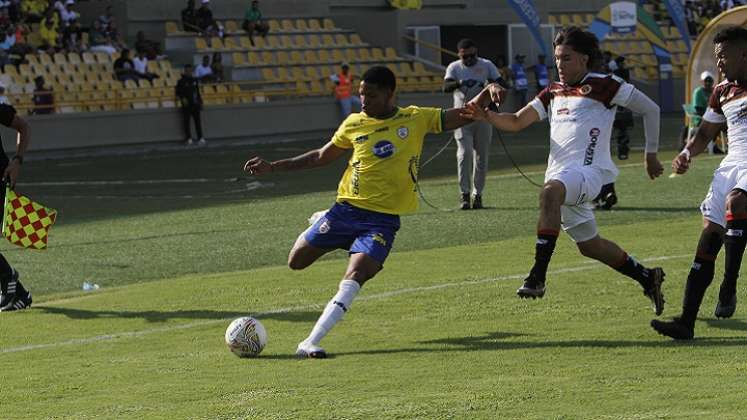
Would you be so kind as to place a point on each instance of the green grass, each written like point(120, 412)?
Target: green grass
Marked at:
point(438, 334)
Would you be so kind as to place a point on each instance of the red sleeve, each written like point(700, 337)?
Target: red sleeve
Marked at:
point(714, 102)
point(545, 96)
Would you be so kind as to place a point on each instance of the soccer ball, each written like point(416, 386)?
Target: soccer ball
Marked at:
point(246, 337)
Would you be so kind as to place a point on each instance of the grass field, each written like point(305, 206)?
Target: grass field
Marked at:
point(186, 244)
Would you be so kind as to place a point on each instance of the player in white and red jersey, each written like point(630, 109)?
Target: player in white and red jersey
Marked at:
point(581, 108)
point(725, 206)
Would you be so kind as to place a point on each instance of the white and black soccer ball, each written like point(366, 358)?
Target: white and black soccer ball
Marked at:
point(246, 337)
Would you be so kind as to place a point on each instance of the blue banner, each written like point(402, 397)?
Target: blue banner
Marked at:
point(677, 13)
point(528, 14)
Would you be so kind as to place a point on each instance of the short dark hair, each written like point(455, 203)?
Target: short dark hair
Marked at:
point(731, 33)
point(465, 43)
point(380, 76)
point(583, 42)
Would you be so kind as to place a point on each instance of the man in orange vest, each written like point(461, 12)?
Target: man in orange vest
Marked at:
point(344, 90)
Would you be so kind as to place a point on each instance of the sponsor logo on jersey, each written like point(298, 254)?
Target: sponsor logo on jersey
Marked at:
point(324, 227)
point(734, 232)
point(361, 139)
point(593, 140)
point(585, 90)
point(377, 237)
point(564, 111)
point(382, 129)
point(403, 132)
point(383, 149)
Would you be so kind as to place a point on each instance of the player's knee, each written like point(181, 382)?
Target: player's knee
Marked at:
point(736, 201)
point(296, 261)
point(552, 193)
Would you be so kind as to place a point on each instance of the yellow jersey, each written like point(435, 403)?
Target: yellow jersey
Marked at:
point(383, 170)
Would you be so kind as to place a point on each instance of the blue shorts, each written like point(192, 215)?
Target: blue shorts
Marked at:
point(355, 229)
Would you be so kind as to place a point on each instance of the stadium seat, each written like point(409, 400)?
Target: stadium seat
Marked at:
point(216, 43)
point(324, 56)
point(286, 42)
point(341, 40)
point(301, 25)
point(328, 40)
point(351, 55)
point(312, 73)
point(390, 54)
point(252, 58)
point(355, 39)
point(313, 41)
point(274, 25)
point(271, 42)
point(377, 54)
point(310, 57)
point(297, 73)
point(231, 26)
point(287, 25)
point(200, 44)
point(552, 20)
point(565, 20)
point(299, 41)
point(283, 75)
point(268, 74)
point(239, 59)
point(338, 57)
point(230, 44)
point(88, 58)
point(328, 25)
point(246, 43)
point(171, 28)
point(364, 54)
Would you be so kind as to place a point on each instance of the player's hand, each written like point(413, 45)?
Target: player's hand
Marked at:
point(474, 112)
point(497, 93)
point(653, 166)
point(257, 166)
point(681, 162)
point(11, 172)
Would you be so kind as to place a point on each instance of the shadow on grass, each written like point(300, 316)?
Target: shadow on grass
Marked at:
point(163, 316)
point(727, 324)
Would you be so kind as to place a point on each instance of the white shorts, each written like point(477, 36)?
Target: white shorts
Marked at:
point(582, 185)
point(725, 179)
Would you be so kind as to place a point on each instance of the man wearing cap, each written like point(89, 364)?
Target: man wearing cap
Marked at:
point(699, 105)
point(521, 84)
point(344, 91)
point(466, 78)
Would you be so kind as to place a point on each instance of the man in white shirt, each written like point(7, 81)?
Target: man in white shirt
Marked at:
point(204, 72)
point(581, 109)
point(140, 63)
point(724, 208)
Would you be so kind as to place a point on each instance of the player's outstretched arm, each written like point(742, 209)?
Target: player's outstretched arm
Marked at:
point(492, 93)
point(311, 159)
point(639, 103)
point(705, 132)
point(504, 121)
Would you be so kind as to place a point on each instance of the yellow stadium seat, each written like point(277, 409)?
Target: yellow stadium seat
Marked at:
point(301, 25)
point(314, 25)
point(231, 26)
point(286, 41)
point(324, 56)
point(328, 24)
point(565, 20)
point(313, 41)
point(298, 73)
point(355, 39)
point(312, 73)
point(310, 57)
point(578, 20)
point(216, 43)
point(283, 75)
point(552, 20)
point(351, 55)
point(296, 57)
point(419, 68)
point(200, 44)
point(377, 54)
point(45, 59)
point(268, 58)
point(287, 25)
point(675, 32)
point(268, 74)
point(406, 70)
point(88, 58)
point(282, 58)
point(390, 54)
point(341, 40)
point(364, 54)
point(253, 58)
point(246, 43)
point(327, 40)
point(338, 56)
point(230, 44)
point(274, 25)
point(171, 28)
point(260, 43)
point(239, 59)
point(299, 41)
point(271, 42)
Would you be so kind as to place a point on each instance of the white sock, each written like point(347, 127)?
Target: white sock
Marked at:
point(334, 310)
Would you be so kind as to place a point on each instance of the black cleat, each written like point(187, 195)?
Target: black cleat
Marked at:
point(654, 293)
point(673, 329)
point(607, 201)
point(477, 202)
point(532, 288)
point(21, 300)
point(465, 205)
point(725, 308)
point(12, 294)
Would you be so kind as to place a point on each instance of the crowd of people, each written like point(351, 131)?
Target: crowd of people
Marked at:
point(201, 20)
point(699, 13)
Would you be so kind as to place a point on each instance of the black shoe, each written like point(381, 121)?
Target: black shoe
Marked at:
point(8, 288)
point(725, 308)
point(675, 329)
point(532, 288)
point(717, 151)
point(477, 202)
point(607, 202)
point(654, 292)
point(20, 300)
point(465, 202)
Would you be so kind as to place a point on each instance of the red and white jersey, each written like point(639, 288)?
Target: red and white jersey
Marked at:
point(728, 104)
point(581, 118)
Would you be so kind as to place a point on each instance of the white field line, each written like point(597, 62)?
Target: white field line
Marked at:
point(586, 266)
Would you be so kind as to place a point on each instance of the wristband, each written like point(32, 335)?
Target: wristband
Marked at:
point(685, 152)
point(19, 158)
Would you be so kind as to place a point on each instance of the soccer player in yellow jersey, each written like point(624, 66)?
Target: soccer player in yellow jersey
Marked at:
point(376, 188)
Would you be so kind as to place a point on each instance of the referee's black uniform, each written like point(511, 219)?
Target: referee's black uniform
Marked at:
point(188, 94)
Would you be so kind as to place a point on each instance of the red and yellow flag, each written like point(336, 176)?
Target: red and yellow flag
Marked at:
point(26, 223)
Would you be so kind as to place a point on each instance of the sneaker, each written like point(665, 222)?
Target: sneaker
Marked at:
point(202, 142)
point(674, 329)
point(607, 202)
point(311, 351)
point(189, 142)
point(465, 202)
point(725, 308)
point(654, 293)
point(477, 202)
point(532, 288)
point(19, 301)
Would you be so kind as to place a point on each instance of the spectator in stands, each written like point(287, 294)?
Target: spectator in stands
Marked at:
point(206, 22)
point(67, 14)
point(124, 68)
point(9, 40)
point(3, 98)
point(608, 63)
point(33, 10)
point(100, 41)
point(521, 84)
point(106, 18)
point(541, 73)
point(698, 107)
point(152, 49)
point(217, 68)
point(115, 36)
point(140, 63)
point(50, 38)
point(253, 22)
point(43, 98)
point(21, 48)
point(72, 37)
point(190, 100)
point(344, 91)
point(204, 72)
point(189, 17)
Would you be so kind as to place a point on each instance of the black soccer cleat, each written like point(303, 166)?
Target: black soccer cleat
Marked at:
point(725, 308)
point(654, 292)
point(12, 294)
point(477, 202)
point(20, 300)
point(674, 329)
point(464, 204)
point(532, 288)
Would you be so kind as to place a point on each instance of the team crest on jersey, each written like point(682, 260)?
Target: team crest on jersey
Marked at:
point(585, 90)
point(383, 149)
point(324, 227)
point(403, 132)
point(379, 238)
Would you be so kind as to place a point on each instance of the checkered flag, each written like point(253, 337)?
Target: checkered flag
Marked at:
point(26, 223)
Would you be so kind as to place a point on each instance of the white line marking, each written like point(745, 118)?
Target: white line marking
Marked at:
point(586, 266)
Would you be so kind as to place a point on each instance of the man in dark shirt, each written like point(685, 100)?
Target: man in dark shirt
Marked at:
point(43, 98)
point(188, 95)
point(189, 18)
point(13, 296)
point(124, 68)
point(205, 20)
